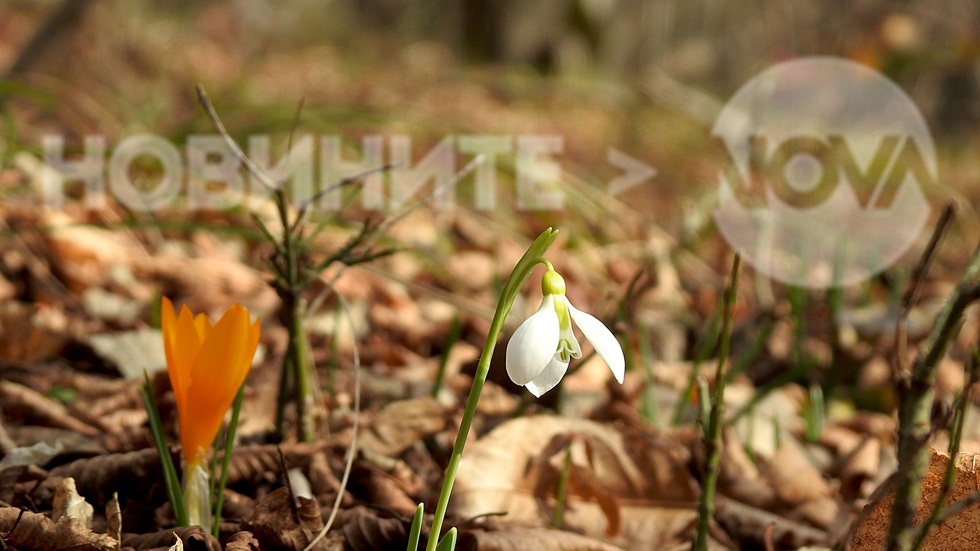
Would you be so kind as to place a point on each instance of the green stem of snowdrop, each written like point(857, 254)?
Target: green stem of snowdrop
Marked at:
point(712, 420)
point(511, 288)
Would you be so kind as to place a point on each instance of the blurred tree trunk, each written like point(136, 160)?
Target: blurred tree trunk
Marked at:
point(483, 29)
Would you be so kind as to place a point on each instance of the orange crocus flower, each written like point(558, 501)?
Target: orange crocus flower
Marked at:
point(207, 364)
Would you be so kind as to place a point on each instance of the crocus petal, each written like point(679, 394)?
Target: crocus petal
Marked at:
point(533, 344)
point(252, 344)
point(168, 326)
point(188, 334)
point(602, 339)
point(188, 341)
point(202, 325)
point(207, 364)
point(549, 378)
point(181, 345)
point(219, 370)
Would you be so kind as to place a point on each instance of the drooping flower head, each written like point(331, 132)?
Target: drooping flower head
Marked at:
point(207, 364)
point(539, 352)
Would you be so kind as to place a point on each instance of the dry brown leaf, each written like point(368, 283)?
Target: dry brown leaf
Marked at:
point(131, 352)
point(27, 531)
point(400, 424)
point(745, 523)
point(958, 533)
point(123, 399)
point(396, 311)
point(521, 539)
point(308, 513)
point(494, 400)
point(115, 413)
point(472, 270)
point(582, 481)
point(127, 440)
point(31, 332)
point(377, 487)
point(509, 470)
point(799, 484)
point(321, 476)
point(113, 515)
point(68, 503)
point(364, 530)
point(859, 469)
point(118, 420)
point(236, 506)
point(274, 522)
point(86, 255)
point(95, 387)
point(773, 418)
point(111, 307)
point(13, 480)
point(880, 425)
point(194, 538)
point(794, 477)
point(210, 284)
point(253, 462)
point(20, 400)
point(7, 289)
point(740, 479)
point(242, 541)
point(126, 473)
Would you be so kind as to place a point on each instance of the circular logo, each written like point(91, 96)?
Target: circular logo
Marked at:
point(827, 162)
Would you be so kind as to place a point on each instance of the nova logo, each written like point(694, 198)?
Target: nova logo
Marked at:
point(827, 163)
point(804, 171)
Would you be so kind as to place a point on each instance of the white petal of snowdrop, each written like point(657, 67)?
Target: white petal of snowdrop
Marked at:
point(533, 344)
point(602, 339)
point(549, 378)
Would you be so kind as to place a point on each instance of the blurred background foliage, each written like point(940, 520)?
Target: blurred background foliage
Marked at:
point(646, 77)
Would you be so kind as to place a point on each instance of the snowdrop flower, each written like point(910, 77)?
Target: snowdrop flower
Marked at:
point(539, 352)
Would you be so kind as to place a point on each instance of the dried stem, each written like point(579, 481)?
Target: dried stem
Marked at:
point(911, 295)
point(293, 272)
